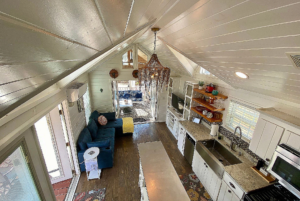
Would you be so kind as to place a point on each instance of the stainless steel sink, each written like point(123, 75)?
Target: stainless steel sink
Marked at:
point(216, 155)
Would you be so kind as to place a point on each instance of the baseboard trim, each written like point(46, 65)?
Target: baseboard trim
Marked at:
point(72, 188)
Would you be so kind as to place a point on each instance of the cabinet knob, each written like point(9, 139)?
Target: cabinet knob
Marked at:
point(231, 184)
point(267, 159)
point(229, 191)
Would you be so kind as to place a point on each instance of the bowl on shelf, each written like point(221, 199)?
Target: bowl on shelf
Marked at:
point(200, 108)
point(215, 92)
point(209, 115)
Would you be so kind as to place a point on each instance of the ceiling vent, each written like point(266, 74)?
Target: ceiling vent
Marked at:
point(295, 59)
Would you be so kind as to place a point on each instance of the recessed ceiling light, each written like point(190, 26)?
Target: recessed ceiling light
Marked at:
point(241, 75)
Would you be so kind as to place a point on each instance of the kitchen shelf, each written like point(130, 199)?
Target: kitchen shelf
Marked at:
point(207, 105)
point(219, 96)
point(211, 120)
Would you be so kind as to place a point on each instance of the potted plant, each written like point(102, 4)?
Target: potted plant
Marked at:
point(201, 84)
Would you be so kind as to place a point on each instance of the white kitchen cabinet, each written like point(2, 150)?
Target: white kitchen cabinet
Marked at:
point(293, 140)
point(226, 194)
point(181, 139)
point(265, 138)
point(207, 176)
point(172, 121)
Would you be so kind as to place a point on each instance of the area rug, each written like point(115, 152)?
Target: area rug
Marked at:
point(194, 188)
point(93, 195)
point(140, 112)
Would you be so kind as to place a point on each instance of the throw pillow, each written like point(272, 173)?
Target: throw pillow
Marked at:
point(100, 144)
point(102, 120)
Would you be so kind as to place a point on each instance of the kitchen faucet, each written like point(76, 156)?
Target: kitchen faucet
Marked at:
point(233, 137)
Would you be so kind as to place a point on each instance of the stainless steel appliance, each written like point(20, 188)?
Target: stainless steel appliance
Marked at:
point(189, 148)
point(285, 166)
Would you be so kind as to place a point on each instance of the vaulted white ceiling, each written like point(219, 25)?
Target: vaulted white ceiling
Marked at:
point(42, 40)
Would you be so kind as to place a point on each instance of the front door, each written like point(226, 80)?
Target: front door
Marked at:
point(50, 132)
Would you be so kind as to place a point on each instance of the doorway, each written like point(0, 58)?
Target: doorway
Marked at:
point(54, 141)
point(132, 101)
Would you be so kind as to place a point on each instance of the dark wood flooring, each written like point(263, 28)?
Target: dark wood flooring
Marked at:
point(121, 181)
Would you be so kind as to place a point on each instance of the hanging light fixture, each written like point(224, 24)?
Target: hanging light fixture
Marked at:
point(153, 72)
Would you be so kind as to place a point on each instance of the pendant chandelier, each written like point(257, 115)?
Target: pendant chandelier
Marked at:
point(153, 73)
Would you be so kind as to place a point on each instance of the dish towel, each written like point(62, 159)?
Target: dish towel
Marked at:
point(128, 126)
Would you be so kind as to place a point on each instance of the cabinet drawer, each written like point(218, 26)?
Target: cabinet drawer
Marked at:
point(233, 185)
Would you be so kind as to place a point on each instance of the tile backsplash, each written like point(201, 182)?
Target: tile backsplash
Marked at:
point(228, 134)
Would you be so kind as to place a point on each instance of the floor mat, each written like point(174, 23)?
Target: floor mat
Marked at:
point(194, 188)
point(93, 195)
point(61, 189)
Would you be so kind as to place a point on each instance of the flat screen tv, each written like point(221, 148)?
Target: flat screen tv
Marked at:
point(177, 103)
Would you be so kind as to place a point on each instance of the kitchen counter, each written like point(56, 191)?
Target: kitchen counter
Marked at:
point(242, 172)
point(198, 131)
point(162, 181)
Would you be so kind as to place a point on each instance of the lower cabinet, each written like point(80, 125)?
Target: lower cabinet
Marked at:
point(226, 194)
point(207, 176)
point(181, 139)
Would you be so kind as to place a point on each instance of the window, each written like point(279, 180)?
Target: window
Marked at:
point(16, 180)
point(127, 60)
point(204, 72)
point(244, 116)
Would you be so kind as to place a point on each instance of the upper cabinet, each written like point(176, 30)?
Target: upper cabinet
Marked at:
point(266, 137)
point(274, 128)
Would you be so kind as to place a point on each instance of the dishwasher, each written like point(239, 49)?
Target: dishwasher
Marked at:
point(189, 148)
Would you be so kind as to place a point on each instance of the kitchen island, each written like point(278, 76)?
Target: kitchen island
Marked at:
point(158, 178)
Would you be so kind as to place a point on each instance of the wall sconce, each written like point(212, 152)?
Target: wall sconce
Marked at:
point(101, 90)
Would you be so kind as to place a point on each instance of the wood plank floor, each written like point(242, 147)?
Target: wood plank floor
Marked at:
point(121, 181)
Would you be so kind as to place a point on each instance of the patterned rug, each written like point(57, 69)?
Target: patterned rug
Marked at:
point(140, 112)
point(194, 188)
point(93, 195)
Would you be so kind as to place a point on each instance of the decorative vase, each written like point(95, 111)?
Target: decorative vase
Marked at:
point(200, 87)
point(215, 92)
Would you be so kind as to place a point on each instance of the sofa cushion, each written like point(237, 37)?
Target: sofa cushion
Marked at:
point(105, 134)
point(95, 116)
point(100, 144)
point(84, 138)
point(93, 128)
point(110, 116)
point(113, 124)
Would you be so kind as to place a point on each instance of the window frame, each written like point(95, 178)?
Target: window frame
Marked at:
point(226, 125)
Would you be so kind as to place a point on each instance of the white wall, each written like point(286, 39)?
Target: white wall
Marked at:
point(77, 119)
point(99, 78)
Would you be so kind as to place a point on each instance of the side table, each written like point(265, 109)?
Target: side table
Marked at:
point(91, 163)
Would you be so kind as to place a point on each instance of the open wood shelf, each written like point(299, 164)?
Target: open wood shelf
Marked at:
point(219, 96)
point(207, 105)
point(211, 120)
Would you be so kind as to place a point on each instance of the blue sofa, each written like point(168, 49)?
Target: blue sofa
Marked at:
point(112, 122)
point(104, 139)
point(134, 95)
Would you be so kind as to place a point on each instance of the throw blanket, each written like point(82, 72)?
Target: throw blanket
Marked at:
point(128, 126)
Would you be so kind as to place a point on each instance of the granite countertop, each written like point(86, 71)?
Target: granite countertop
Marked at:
point(198, 131)
point(162, 181)
point(241, 173)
